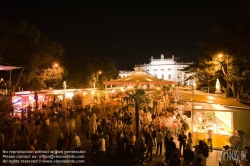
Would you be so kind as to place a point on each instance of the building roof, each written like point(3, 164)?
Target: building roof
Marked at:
point(139, 77)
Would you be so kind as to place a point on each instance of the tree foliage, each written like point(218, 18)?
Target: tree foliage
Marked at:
point(5, 107)
point(84, 71)
point(21, 44)
point(77, 99)
point(233, 41)
point(53, 76)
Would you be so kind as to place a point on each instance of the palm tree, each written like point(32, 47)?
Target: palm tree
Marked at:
point(139, 97)
point(5, 107)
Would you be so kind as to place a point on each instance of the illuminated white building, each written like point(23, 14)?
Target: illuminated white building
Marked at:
point(166, 69)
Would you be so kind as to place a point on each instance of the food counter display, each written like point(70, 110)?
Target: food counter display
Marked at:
point(219, 122)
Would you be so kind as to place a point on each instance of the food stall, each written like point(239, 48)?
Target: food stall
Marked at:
point(212, 117)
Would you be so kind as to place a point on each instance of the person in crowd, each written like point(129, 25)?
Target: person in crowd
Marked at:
point(12, 111)
point(159, 125)
point(150, 144)
point(240, 134)
point(69, 135)
point(11, 134)
point(38, 124)
point(141, 146)
point(106, 137)
point(66, 142)
point(159, 139)
point(175, 160)
point(83, 122)
point(46, 123)
point(185, 124)
point(199, 162)
point(198, 154)
point(210, 133)
point(102, 150)
point(76, 142)
point(45, 146)
point(87, 127)
point(234, 140)
point(32, 146)
point(26, 134)
point(188, 155)
point(59, 143)
point(202, 148)
point(94, 142)
point(154, 135)
point(246, 161)
point(17, 127)
point(17, 117)
point(131, 142)
point(182, 139)
point(190, 140)
point(119, 142)
point(170, 148)
point(110, 133)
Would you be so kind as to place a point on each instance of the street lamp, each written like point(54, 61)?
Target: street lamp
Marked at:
point(55, 65)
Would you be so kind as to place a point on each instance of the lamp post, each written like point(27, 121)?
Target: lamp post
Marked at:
point(54, 67)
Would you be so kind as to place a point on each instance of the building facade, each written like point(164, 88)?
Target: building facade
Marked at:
point(166, 69)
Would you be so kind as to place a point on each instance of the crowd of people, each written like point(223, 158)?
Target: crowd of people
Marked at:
point(116, 132)
point(157, 133)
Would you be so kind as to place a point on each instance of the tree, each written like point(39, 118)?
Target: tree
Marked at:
point(23, 45)
point(204, 72)
point(77, 99)
point(84, 71)
point(233, 40)
point(53, 76)
point(5, 107)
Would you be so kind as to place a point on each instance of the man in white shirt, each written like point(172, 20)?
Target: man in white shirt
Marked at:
point(159, 138)
point(76, 142)
point(210, 134)
point(102, 149)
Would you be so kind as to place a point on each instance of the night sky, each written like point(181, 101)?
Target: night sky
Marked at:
point(129, 32)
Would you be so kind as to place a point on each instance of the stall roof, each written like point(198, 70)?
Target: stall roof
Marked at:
point(8, 67)
point(139, 76)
